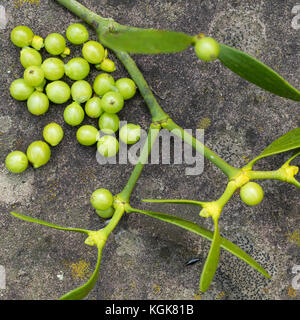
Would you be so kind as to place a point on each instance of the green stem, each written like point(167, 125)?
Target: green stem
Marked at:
point(157, 113)
point(124, 195)
point(85, 14)
point(177, 201)
point(227, 194)
point(279, 174)
point(160, 116)
point(114, 220)
point(230, 171)
point(271, 175)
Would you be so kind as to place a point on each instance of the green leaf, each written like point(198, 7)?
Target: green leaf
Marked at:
point(256, 72)
point(241, 254)
point(145, 41)
point(81, 292)
point(195, 228)
point(45, 223)
point(287, 142)
point(212, 260)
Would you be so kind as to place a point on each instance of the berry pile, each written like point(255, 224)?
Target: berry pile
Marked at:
point(42, 84)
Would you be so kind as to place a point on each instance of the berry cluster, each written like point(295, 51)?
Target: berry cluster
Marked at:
point(42, 83)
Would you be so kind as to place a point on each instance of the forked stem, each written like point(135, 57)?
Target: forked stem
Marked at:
point(201, 148)
point(157, 113)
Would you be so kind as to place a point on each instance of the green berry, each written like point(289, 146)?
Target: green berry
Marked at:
point(21, 36)
point(207, 49)
point(77, 33)
point(81, 91)
point(38, 153)
point(251, 193)
point(74, 114)
point(53, 133)
point(58, 92)
point(34, 76)
point(108, 146)
point(101, 199)
point(30, 57)
point(20, 90)
point(130, 133)
point(16, 161)
point(38, 103)
point(103, 83)
point(106, 214)
point(54, 69)
point(109, 123)
point(112, 102)
point(93, 107)
point(126, 87)
point(55, 44)
point(77, 68)
point(93, 52)
point(87, 135)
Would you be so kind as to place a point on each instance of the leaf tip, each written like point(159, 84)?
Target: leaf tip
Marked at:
point(14, 213)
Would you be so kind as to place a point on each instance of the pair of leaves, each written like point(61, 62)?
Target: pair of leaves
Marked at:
point(84, 290)
point(151, 41)
point(212, 259)
point(217, 242)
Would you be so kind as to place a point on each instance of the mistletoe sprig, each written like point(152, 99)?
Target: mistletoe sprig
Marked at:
point(123, 40)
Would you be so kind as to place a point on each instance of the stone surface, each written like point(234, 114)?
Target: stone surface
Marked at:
point(145, 258)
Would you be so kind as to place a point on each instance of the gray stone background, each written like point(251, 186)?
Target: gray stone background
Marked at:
point(145, 258)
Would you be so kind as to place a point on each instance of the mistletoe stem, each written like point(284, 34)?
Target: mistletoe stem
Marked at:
point(157, 113)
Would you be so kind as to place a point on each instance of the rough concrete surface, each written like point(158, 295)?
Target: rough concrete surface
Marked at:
point(145, 258)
